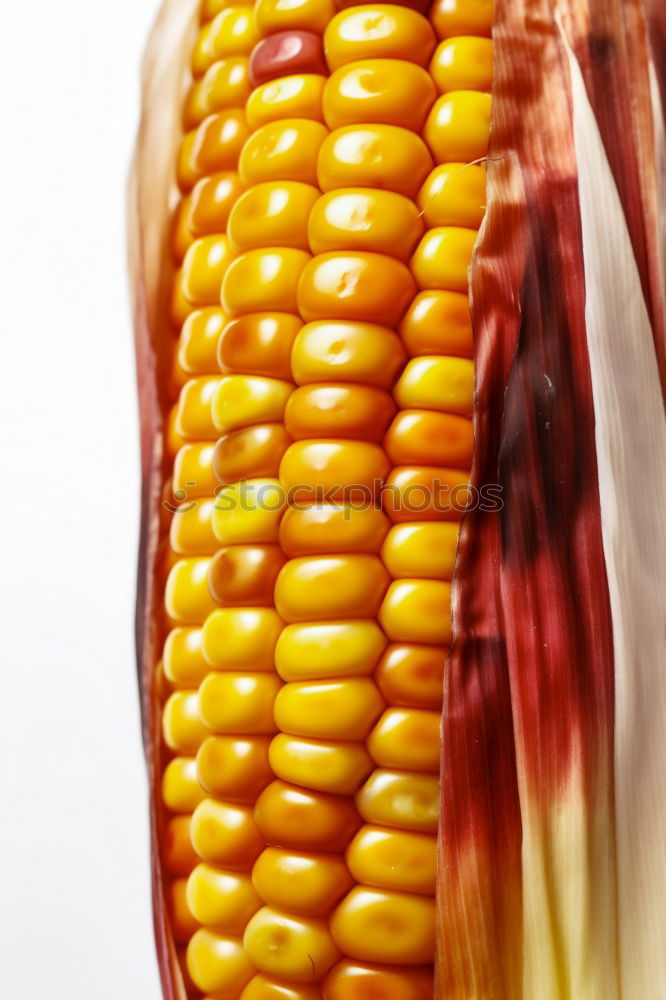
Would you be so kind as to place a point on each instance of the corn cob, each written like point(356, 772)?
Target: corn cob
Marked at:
point(318, 449)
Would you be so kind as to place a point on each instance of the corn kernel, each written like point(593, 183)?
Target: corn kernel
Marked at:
point(330, 587)
point(263, 280)
point(240, 400)
point(335, 710)
point(263, 988)
point(241, 638)
point(352, 470)
point(181, 791)
point(297, 96)
point(210, 8)
point(245, 575)
point(273, 214)
point(259, 344)
point(212, 199)
point(427, 437)
point(178, 853)
point(463, 63)
point(347, 352)
point(194, 108)
point(334, 767)
point(218, 965)
point(232, 33)
point(359, 981)
point(306, 819)
point(218, 142)
point(338, 411)
point(182, 728)
point(187, 599)
point(193, 414)
point(183, 924)
point(193, 471)
point(301, 883)
point(373, 156)
point(400, 799)
point(181, 237)
point(191, 530)
point(220, 899)
point(230, 767)
point(287, 53)
point(417, 611)
point(183, 660)
point(412, 675)
point(378, 31)
point(437, 383)
point(379, 926)
point(284, 150)
point(386, 91)
point(426, 493)
point(226, 84)
point(462, 17)
point(438, 322)
point(197, 344)
point(458, 127)
point(327, 527)
point(239, 703)
point(355, 286)
point(454, 194)
point(225, 834)
point(280, 15)
point(248, 511)
point(426, 550)
point(328, 649)
point(252, 452)
point(407, 739)
point(443, 257)
point(186, 170)
point(363, 219)
point(292, 948)
point(394, 859)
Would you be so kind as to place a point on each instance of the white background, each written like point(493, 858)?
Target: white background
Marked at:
point(75, 919)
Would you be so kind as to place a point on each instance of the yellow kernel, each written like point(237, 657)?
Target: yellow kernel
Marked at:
point(328, 649)
point(463, 63)
point(197, 344)
point(181, 237)
point(363, 219)
point(183, 923)
point(284, 150)
point(193, 412)
point(351, 980)
point(407, 739)
point(186, 170)
point(302, 883)
point(191, 532)
point(462, 17)
point(412, 675)
point(400, 799)
point(458, 127)
point(241, 638)
point(218, 142)
point(437, 383)
point(232, 32)
point(178, 854)
point(221, 899)
point(330, 587)
point(454, 194)
point(282, 15)
point(386, 91)
point(231, 767)
point(335, 710)
point(194, 109)
point(364, 286)
point(211, 202)
point(418, 611)
point(380, 926)
point(297, 96)
point(264, 280)
point(187, 598)
point(273, 214)
point(181, 791)
point(327, 767)
point(182, 727)
point(394, 859)
point(427, 549)
point(226, 834)
point(183, 660)
point(249, 512)
point(291, 948)
point(337, 470)
point(305, 819)
point(242, 400)
point(263, 988)
point(376, 31)
point(226, 84)
point(239, 703)
point(324, 527)
point(193, 471)
point(338, 351)
point(218, 965)
point(442, 258)
point(374, 156)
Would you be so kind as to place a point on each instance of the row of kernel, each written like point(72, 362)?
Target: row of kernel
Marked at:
point(365, 237)
point(259, 293)
point(208, 177)
point(287, 940)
